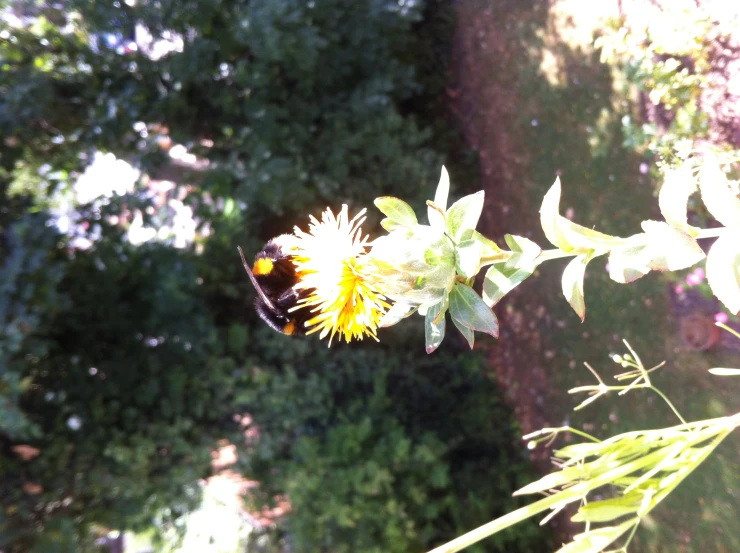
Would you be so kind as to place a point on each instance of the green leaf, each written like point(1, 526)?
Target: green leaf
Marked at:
point(394, 315)
point(500, 281)
point(437, 219)
point(549, 215)
point(717, 194)
point(668, 248)
point(490, 252)
point(609, 509)
point(723, 269)
point(565, 234)
point(524, 251)
point(725, 372)
point(390, 225)
point(678, 185)
point(597, 540)
point(471, 311)
point(396, 210)
point(464, 215)
point(467, 258)
point(434, 331)
point(628, 263)
point(586, 238)
point(468, 333)
point(572, 283)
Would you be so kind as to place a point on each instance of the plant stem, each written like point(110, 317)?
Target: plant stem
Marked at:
point(665, 398)
point(499, 524)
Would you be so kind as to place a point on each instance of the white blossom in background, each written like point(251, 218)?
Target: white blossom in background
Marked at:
point(105, 177)
point(74, 423)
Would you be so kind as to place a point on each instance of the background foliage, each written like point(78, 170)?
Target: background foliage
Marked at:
point(123, 364)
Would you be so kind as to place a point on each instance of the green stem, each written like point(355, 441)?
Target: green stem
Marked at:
point(632, 535)
point(665, 398)
point(499, 524)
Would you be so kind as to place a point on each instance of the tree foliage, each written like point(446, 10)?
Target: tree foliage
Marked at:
point(122, 365)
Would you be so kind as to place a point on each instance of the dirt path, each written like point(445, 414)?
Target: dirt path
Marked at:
point(535, 103)
point(493, 40)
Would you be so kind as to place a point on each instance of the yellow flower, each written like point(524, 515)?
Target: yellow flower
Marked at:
point(337, 277)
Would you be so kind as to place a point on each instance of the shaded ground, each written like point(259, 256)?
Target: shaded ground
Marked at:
point(536, 103)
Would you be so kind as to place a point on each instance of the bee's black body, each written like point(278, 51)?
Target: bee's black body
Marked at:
point(274, 277)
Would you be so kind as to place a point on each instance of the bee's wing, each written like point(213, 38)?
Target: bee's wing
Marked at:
point(257, 287)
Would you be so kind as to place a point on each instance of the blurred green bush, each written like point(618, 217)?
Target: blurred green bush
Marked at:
point(380, 450)
point(122, 366)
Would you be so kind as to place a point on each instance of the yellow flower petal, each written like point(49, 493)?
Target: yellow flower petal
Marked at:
point(336, 273)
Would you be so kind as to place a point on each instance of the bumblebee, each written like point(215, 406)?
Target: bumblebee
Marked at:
point(274, 276)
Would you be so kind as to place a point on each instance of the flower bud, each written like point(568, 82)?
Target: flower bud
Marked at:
point(414, 265)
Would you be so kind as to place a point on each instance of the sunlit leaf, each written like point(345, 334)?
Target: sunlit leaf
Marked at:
point(552, 481)
point(490, 251)
point(389, 225)
point(524, 252)
point(500, 281)
point(723, 269)
point(467, 258)
point(436, 219)
point(397, 312)
point(609, 509)
point(628, 263)
point(464, 214)
point(717, 194)
point(597, 540)
point(549, 215)
point(572, 283)
point(468, 309)
point(468, 333)
point(670, 249)
point(673, 199)
point(396, 210)
point(578, 236)
point(725, 372)
point(564, 233)
point(434, 331)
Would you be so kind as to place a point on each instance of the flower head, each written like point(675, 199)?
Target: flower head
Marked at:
point(415, 265)
point(337, 277)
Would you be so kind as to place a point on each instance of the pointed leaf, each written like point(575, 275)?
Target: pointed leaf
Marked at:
point(670, 249)
point(578, 236)
point(389, 225)
point(629, 262)
point(394, 315)
point(549, 215)
point(436, 219)
point(500, 281)
point(717, 194)
point(609, 509)
point(725, 372)
point(490, 251)
point(434, 332)
point(723, 269)
point(565, 234)
point(673, 199)
point(464, 215)
point(524, 251)
point(572, 283)
point(469, 310)
point(468, 334)
point(597, 540)
point(467, 258)
point(396, 210)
